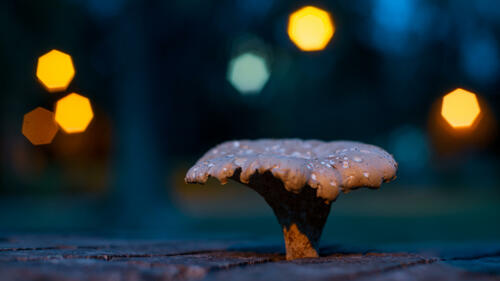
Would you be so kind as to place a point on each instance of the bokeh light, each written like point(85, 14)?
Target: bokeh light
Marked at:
point(392, 29)
point(479, 57)
point(410, 147)
point(55, 70)
point(39, 126)
point(248, 73)
point(74, 113)
point(310, 28)
point(460, 108)
point(449, 142)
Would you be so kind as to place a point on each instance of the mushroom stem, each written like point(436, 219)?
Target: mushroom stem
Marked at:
point(302, 220)
point(298, 245)
point(301, 215)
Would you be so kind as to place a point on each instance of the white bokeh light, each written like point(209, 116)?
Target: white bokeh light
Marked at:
point(248, 73)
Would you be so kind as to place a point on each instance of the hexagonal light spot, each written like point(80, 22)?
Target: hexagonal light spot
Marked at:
point(39, 126)
point(74, 113)
point(248, 73)
point(55, 70)
point(460, 108)
point(310, 28)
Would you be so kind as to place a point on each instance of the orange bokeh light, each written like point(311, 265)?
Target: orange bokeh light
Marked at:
point(310, 28)
point(55, 70)
point(39, 126)
point(460, 108)
point(74, 113)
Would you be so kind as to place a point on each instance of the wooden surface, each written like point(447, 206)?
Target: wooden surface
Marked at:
point(42, 257)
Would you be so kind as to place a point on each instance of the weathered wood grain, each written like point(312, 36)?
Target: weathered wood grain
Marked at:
point(44, 257)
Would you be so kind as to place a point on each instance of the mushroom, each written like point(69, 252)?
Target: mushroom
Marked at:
point(298, 179)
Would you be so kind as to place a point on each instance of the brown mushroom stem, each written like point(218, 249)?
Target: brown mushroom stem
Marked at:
point(301, 215)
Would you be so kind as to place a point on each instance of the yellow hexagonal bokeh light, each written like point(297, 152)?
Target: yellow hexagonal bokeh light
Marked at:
point(460, 108)
point(55, 70)
point(74, 113)
point(310, 28)
point(39, 126)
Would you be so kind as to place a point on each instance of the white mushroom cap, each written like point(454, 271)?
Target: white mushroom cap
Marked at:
point(326, 166)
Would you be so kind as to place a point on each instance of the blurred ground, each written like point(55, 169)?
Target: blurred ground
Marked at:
point(394, 213)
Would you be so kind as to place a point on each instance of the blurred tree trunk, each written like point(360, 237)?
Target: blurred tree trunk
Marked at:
point(139, 194)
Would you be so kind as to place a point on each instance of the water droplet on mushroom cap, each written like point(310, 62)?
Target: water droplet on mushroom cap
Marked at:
point(240, 161)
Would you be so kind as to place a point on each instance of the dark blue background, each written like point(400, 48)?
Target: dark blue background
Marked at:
point(155, 72)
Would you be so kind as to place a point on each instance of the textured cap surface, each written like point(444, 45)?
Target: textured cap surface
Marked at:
point(326, 166)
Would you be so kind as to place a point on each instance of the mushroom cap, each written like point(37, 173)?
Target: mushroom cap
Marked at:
point(326, 166)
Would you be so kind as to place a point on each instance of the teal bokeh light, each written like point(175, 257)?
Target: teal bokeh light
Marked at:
point(248, 73)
